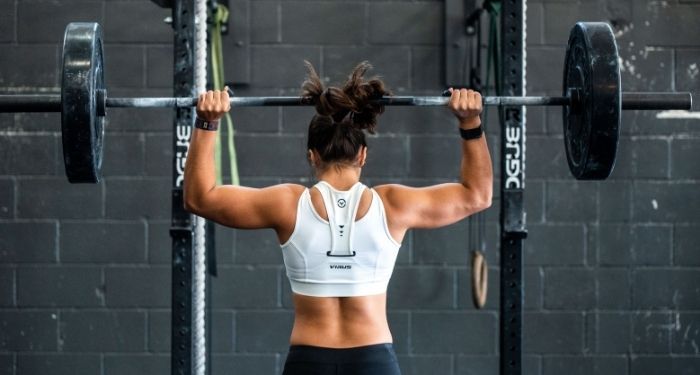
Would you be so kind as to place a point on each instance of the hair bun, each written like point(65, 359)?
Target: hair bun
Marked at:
point(328, 101)
point(356, 97)
point(363, 94)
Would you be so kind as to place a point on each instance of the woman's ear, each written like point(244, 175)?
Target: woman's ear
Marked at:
point(312, 158)
point(363, 156)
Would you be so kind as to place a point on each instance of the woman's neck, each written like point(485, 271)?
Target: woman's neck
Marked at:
point(341, 178)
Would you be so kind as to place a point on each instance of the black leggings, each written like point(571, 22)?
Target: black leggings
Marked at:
point(377, 359)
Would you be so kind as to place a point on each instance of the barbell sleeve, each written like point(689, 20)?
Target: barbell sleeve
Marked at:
point(657, 100)
point(30, 103)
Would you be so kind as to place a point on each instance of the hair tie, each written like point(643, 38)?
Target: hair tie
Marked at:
point(340, 116)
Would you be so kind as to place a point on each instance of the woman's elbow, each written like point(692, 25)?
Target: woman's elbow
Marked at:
point(189, 206)
point(484, 199)
point(476, 201)
point(488, 196)
point(192, 203)
point(486, 203)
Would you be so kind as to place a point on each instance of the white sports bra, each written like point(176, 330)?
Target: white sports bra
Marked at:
point(340, 257)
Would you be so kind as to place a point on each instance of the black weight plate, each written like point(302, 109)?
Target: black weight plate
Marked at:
point(592, 126)
point(81, 126)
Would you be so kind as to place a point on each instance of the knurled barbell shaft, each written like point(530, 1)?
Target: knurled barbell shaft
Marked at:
point(630, 100)
point(272, 101)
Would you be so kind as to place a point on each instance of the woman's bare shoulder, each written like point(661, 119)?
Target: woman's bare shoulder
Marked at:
point(295, 189)
point(288, 192)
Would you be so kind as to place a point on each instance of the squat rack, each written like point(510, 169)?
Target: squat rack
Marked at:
point(512, 215)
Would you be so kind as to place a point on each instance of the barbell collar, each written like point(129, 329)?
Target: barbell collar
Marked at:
point(101, 102)
point(657, 100)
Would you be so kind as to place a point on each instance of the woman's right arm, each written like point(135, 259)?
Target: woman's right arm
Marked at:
point(233, 206)
point(444, 204)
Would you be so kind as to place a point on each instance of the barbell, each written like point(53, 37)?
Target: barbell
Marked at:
point(592, 101)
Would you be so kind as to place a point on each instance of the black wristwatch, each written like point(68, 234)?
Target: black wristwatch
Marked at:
point(206, 125)
point(469, 134)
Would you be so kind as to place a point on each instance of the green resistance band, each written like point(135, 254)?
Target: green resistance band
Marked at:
point(219, 18)
point(493, 54)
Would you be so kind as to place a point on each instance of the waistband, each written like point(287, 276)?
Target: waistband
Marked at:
point(360, 354)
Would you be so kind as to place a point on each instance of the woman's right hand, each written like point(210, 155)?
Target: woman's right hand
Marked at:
point(212, 105)
point(466, 105)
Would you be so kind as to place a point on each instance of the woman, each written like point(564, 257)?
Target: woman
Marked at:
point(339, 239)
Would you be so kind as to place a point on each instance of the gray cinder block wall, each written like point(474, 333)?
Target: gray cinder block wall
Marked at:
point(612, 268)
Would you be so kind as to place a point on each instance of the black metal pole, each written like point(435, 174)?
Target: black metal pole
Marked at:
point(512, 215)
point(182, 343)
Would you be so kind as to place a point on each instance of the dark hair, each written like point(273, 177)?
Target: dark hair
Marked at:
point(336, 132)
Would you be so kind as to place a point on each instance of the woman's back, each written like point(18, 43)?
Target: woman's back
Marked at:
point(340, 322)
point(325, 319)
